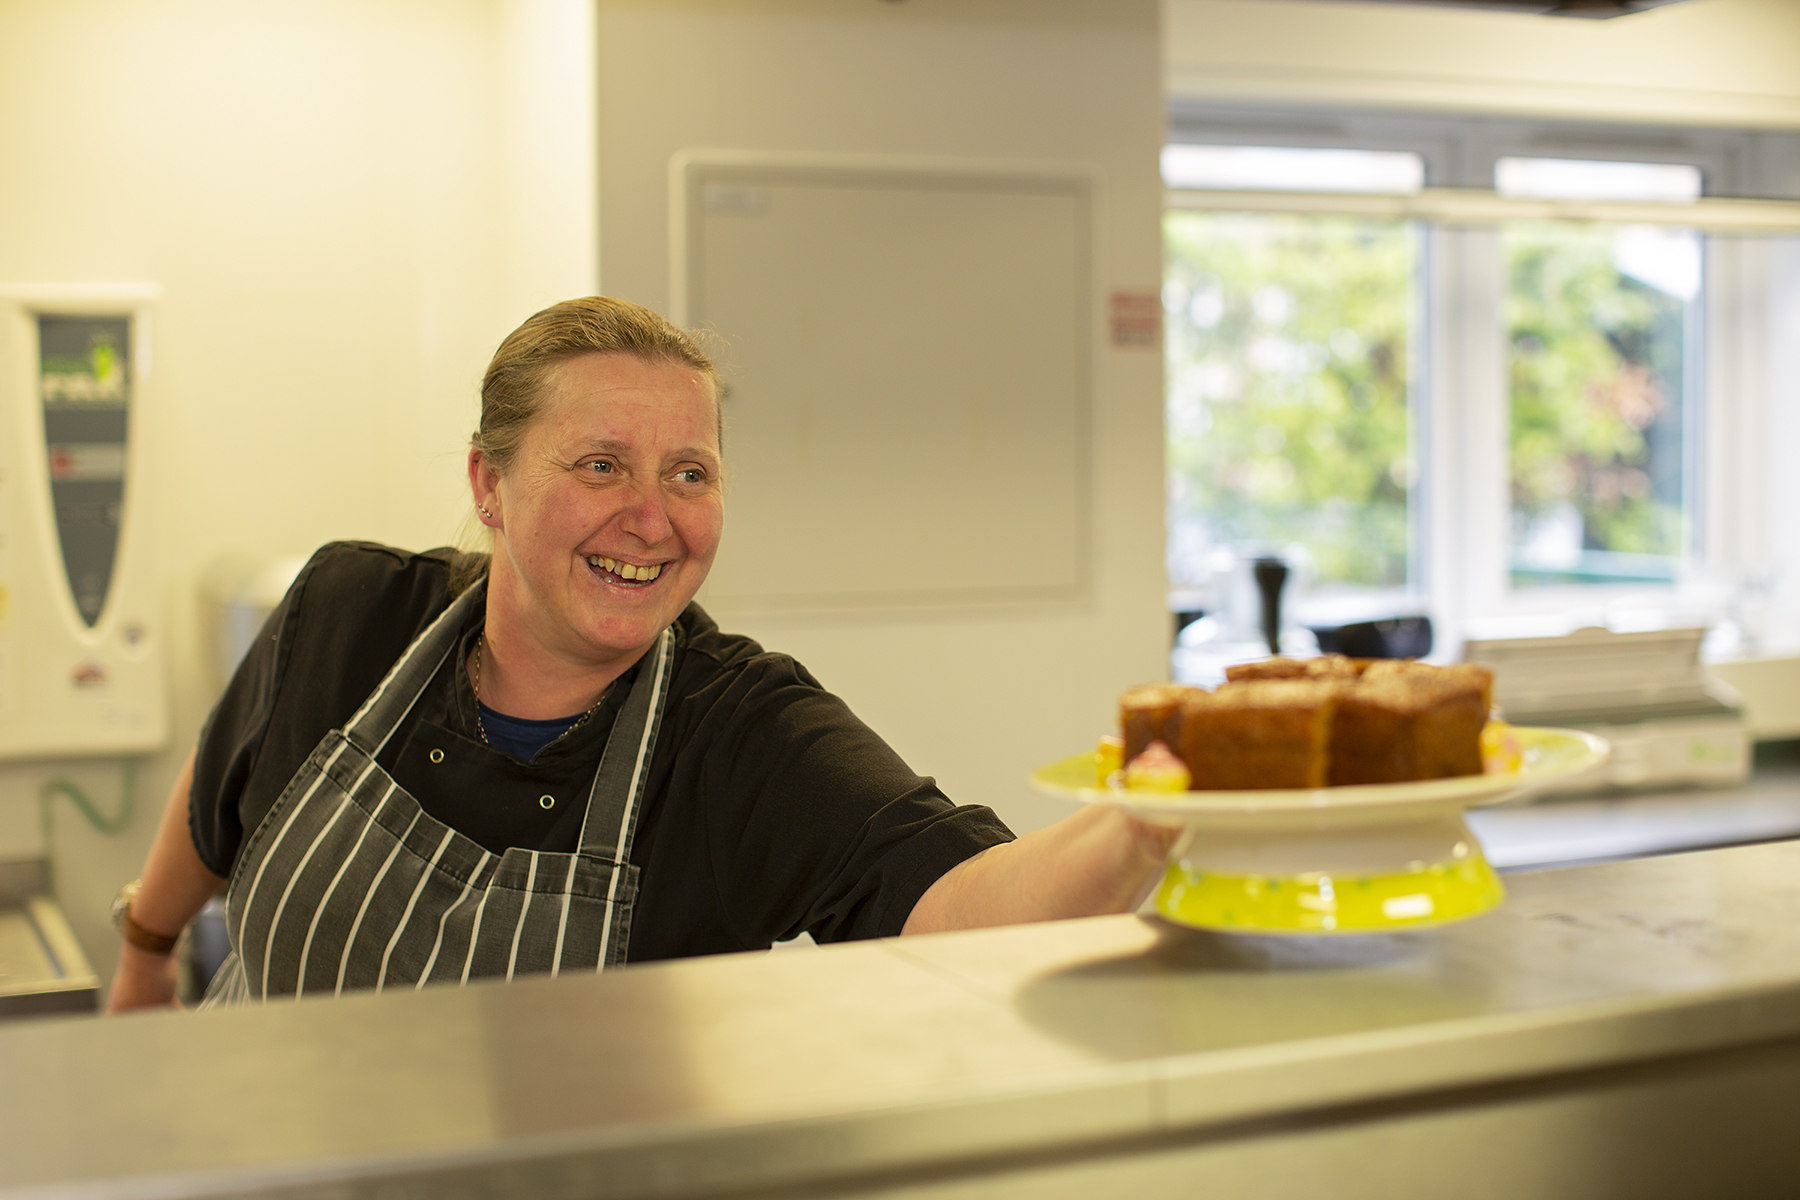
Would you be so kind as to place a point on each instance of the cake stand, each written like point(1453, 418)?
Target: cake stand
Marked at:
point(1363, 858)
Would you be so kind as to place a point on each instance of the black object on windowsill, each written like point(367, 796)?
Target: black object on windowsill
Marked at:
point(1271, 576)
point(1396, 637)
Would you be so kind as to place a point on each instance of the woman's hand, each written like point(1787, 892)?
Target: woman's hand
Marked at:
point(175, 886)
point(1101, 860)
point(143, 980)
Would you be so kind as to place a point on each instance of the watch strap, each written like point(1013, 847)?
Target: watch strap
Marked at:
point(137, 935)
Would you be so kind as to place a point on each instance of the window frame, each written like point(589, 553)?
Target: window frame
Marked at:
point(1460, 396)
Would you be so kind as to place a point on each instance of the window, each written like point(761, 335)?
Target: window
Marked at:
point(1599, 319)
point(1290, 169)
point(1589, 179)
point(1289, 384)
point(1538, 391)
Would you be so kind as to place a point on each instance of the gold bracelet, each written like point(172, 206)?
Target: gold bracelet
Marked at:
point(137, 935)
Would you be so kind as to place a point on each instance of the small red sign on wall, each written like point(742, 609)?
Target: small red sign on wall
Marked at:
point(1135, 319)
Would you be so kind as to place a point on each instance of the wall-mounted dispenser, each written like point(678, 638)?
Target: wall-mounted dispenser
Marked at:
point(81, 638)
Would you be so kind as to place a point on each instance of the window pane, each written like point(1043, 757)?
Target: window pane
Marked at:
point(1284, 169)
point(1288, 418)
point(1599, 318)
point(1583, 179)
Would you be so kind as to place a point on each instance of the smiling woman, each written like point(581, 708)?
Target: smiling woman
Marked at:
point(606, 517)
point(439, 767)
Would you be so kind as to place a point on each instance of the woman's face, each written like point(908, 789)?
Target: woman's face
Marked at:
point(609, 515)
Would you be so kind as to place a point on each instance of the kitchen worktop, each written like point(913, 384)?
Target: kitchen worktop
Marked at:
point(1610, 1026)
point(1565, 830)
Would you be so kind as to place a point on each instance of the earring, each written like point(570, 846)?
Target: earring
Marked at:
point(484, 512)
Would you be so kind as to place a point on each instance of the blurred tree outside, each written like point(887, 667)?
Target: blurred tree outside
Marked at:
point(1288, 418)
point(1288, 344)
point(1596, 317)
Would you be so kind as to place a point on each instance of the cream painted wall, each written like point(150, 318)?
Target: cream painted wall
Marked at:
point(347, 205)
point(974, 698)
point(1732, 63)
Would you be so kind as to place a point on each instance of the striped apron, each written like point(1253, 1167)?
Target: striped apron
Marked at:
point(347, 883)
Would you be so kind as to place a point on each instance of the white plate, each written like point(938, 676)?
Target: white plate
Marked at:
point(1548, 754)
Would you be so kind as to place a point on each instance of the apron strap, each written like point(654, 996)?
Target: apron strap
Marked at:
point(387, 706)
point(611, 821)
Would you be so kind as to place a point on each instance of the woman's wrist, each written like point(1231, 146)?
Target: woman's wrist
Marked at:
point(145, 960)
point(136, 934)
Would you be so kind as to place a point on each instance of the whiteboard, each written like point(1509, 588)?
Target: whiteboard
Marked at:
point(907, 360)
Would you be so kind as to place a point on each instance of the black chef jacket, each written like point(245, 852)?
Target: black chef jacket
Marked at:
point(770, 808)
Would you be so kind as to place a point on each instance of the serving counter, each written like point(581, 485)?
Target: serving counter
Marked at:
point(1625, 1029)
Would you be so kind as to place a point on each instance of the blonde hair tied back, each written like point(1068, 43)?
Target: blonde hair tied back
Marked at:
point(512, 389)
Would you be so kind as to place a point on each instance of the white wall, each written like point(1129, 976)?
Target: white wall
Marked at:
point(1732, 63)
point(976, 698)
point(347, 205)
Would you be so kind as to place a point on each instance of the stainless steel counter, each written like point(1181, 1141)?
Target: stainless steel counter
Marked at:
point(1567, 830)
point(1622, 1029)
point(42, 968)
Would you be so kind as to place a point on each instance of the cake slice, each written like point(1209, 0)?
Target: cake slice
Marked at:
point(1263, 733)
point(1325, 666)
point(1337, 666)
point(1152, 713)
point(1402, 721)
point(1279, 667)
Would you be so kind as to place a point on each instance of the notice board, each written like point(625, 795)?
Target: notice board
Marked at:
point(906, 350)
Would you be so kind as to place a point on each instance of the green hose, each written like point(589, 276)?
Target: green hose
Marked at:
point(48, 793)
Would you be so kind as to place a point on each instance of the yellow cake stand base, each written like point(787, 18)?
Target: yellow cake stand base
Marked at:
point(1319, 903)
